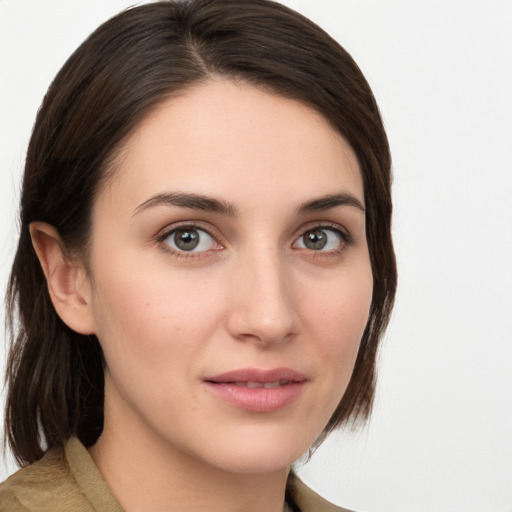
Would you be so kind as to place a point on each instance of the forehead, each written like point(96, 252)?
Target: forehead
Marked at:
point(234, 140)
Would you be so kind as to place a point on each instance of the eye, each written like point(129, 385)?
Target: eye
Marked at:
point(190, 239)
point(321, 239)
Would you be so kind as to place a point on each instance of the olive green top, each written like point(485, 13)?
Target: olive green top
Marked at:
point(68, 480)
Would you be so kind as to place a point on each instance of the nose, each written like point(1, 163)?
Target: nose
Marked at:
point(262, 308)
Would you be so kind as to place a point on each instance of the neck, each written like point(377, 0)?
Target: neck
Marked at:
point(151, 474)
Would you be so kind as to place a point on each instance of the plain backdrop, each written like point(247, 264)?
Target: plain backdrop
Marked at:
point(440, 439)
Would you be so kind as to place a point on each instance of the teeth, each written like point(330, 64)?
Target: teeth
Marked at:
point(254, 385)
point(270, 385)
point(266, 385)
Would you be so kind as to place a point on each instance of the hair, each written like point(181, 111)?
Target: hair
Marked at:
point(127, 67)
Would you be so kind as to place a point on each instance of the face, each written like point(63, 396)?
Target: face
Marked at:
point(229, 278)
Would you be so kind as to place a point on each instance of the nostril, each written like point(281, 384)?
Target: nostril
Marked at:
point(267, 340)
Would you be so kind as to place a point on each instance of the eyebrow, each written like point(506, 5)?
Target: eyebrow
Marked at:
point(213, 205)
point(331, 201)
point(187, 200)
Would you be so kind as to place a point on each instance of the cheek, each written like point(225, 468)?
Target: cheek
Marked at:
point(336, 316)
point(340, 302)
point(150, 320)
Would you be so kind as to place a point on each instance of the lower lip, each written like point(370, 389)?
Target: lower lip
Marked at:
point(257, 399)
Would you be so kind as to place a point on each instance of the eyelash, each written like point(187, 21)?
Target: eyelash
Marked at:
point(345, 239)
point(166, 233)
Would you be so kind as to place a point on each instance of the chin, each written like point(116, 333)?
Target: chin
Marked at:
point(258, 452)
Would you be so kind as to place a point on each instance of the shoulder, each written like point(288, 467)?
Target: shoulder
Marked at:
point(43, 486)
point(309, 501)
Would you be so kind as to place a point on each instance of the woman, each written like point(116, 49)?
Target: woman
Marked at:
point(205, 264)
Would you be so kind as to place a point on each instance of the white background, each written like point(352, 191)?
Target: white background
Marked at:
point(441, 436)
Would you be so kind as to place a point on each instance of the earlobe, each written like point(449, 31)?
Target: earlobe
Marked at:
point(67, 284)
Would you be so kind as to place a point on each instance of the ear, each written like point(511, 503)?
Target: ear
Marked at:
point(68, 283)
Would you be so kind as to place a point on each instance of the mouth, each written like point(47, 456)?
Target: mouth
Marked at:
point(258, 390)
point(266, 385)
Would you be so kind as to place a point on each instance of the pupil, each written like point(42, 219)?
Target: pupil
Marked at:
point(186, 239)
point(315, 239)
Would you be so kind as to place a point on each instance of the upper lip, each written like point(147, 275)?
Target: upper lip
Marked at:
point(258, 375)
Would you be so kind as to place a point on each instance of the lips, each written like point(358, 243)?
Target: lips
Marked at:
point(257, 390)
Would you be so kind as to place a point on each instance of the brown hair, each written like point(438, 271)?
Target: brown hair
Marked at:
point(116, 77)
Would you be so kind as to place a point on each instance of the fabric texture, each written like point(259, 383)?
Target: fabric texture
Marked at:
point(68, 481)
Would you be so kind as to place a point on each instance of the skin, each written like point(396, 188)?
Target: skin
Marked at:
point(253, 295)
